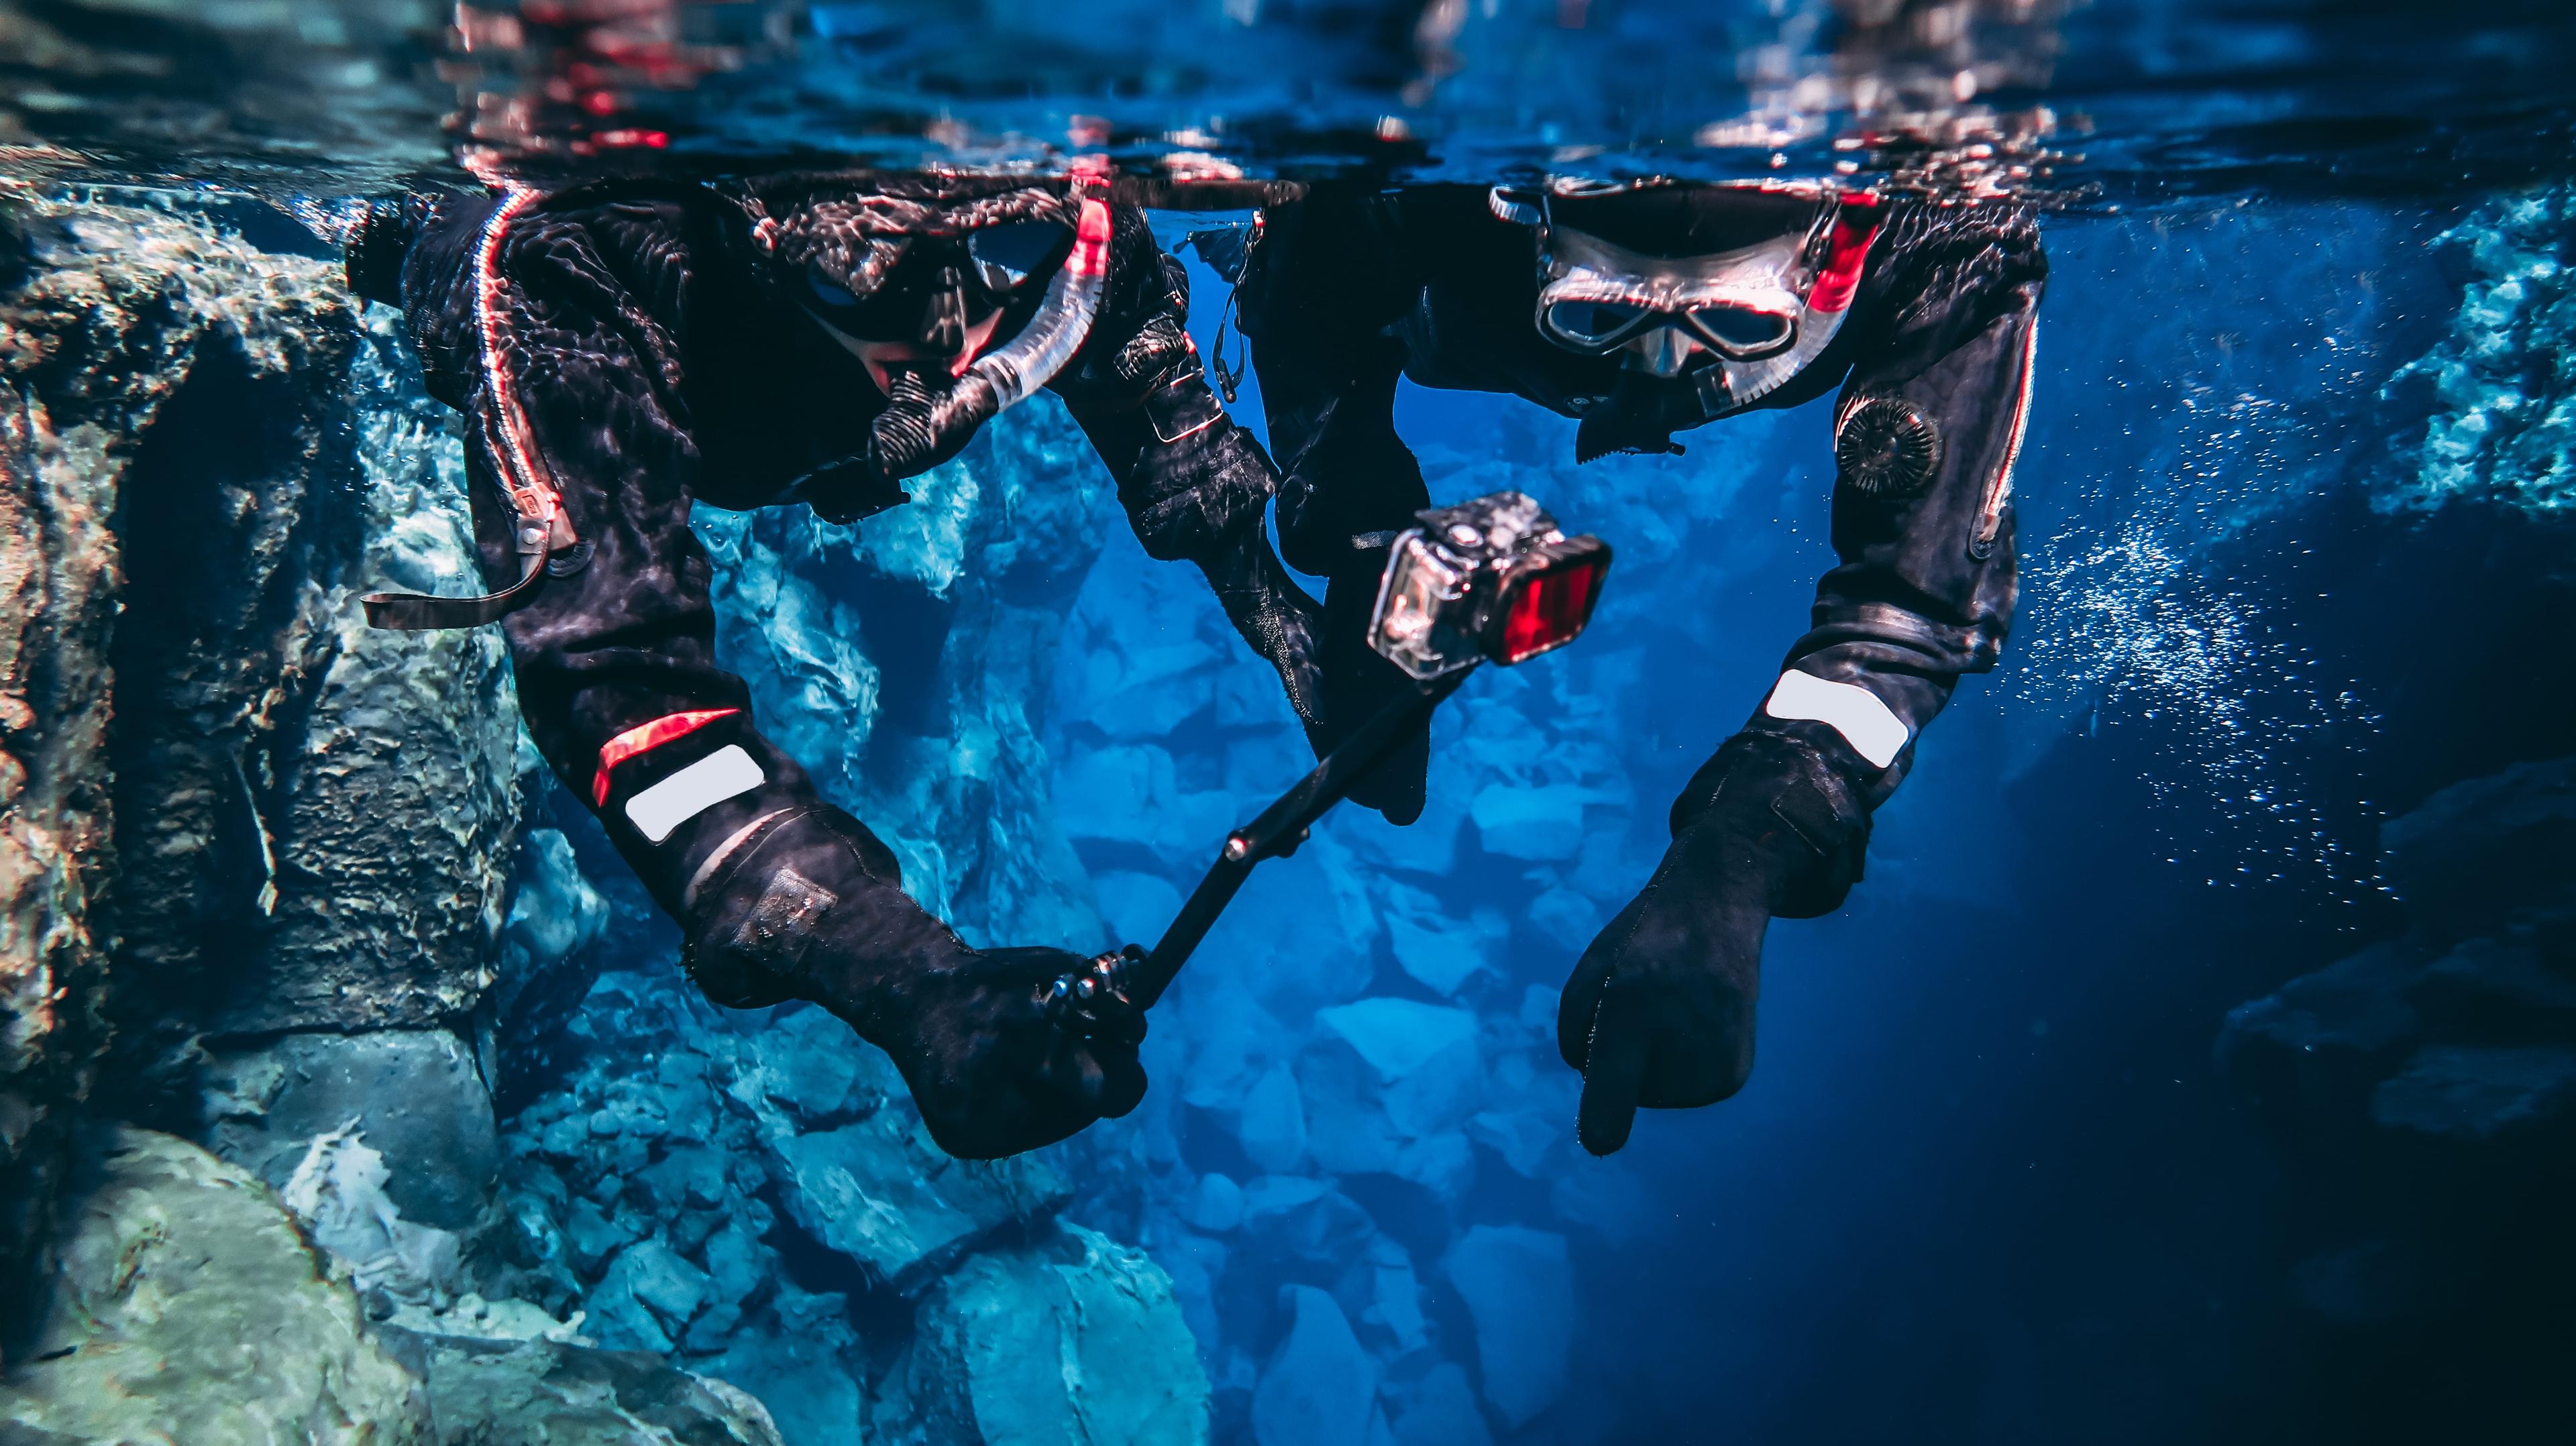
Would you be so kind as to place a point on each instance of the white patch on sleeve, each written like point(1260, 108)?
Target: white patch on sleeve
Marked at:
point(1865, 721)
point(692, 791)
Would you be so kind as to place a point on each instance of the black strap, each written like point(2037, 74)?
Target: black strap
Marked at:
point(412, 612)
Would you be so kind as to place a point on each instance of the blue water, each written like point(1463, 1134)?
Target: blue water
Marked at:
point(2016, 1164)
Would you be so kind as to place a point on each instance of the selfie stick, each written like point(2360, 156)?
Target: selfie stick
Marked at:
point(1491, 579)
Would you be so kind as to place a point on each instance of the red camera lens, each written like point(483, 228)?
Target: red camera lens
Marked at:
point(1548, 609)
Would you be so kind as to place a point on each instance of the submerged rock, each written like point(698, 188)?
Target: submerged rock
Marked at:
point(187, 1295)
point(2423, 1091)
point(1320, 1388)
point(1387, 1084)
point(487, 1392)
point(1519, 1287)
point(417, 1095)
point(311, 821)
point(1069, 1338)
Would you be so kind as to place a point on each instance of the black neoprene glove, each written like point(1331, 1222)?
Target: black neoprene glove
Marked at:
point(810, 905)
point(1659, 1011)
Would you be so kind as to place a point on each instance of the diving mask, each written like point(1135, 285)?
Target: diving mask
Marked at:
point(1738, 287)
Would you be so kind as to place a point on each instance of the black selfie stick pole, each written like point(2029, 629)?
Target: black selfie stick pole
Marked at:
point(1128, 983)
point(1280, 828)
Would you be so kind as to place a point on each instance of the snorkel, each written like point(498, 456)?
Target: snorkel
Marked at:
point(922, 427)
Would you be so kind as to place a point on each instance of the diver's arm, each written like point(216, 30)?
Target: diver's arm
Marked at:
point(565, 330)
point(1927, 432)
point(1328, 275)
point(1660, 1010)
point(1195, 485)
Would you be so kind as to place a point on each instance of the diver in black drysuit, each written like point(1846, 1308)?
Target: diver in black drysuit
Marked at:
point(1645, 311)
point(624, 349)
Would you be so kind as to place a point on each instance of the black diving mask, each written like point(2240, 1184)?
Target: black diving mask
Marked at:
point(940, 285)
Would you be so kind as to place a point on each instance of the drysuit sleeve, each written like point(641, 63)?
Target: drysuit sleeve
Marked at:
point(1926, 435)
point(1321, 284)
point(567, 321)
point(1195, 485)
point(1327, 277)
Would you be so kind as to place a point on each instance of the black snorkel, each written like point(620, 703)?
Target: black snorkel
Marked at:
point(1489, 580)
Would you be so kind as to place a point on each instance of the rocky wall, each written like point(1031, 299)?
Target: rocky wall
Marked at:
point(211, 455)
point(340, 941)
point(2420, 1093)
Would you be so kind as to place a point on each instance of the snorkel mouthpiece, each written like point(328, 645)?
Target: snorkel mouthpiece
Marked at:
point(921, 428)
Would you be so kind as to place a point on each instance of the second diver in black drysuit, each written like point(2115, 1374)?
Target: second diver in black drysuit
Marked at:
point(624, 349)
point(1646, 310)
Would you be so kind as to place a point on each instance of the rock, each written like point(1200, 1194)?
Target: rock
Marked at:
point(1524, 822)
point(1605, 1197)
point(2501, 426)
point(2475, 850)
point(1519, 1288)
point(548, 953)
point(1382, 1296)
point(1305, 1220)
point(881, 1193)
point(2479, 1094)
point(1530, 1105)
point(337, 1193)
point(58, 586)
point(1070, 1338)
point(1320, 1387)
point(1231, 1043)
point(653, 1276)
point(1565, 918)
point(254, 441)
point(1302, 933)
point(187, 1306)
point(1273, 1127)
point(1441, 951)
point(806, 1372)
point(1426, 846)
point(819, 1070)
point(1129, 795)
point(2498, 991)
point(1137, 907)
point(2325, 1037)
point(1387, 1082)
point(1440, 1410)
point(417, 1095)
point(487, 1392)
point(1215, 1205)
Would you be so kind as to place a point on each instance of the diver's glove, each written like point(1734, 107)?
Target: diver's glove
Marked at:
point(1659, 1011)
point(810, 905)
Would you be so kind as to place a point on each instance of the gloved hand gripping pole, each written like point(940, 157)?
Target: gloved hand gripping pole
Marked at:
point(1487, 580)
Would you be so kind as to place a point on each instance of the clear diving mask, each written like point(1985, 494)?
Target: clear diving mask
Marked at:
point(1736, 287)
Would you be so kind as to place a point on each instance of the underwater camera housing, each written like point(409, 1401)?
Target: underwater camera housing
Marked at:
point(1492, 579)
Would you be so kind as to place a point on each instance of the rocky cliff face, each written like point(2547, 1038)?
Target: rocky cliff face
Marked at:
point(210, 455)
point(269, 887)
point(2422, 1095)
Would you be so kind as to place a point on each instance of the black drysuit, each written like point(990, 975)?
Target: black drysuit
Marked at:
point(656, 344)
point(1343, 292)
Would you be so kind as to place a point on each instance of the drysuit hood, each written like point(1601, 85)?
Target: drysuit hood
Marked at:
point(1714, 295)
